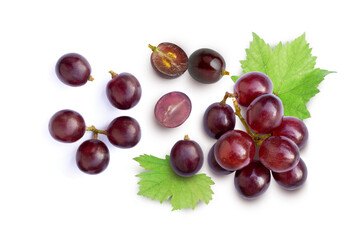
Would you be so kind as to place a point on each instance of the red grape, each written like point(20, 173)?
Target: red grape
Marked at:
point(172, 109)
point(214, 166)
point(124, 132)
point(252, 181)
point(292, 179)
point(123, 91)
point(218, 119)
point(73, 69)
point(206, 66)
point(67, 126)
point(92, 156)
point(293, 128)
point(265, 113)
point(168, 60)
point(234, 150)
point(279, 154)
point(251, 85)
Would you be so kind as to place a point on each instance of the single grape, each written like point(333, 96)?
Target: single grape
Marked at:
point(234, 150)
point(123, 90)
point(206, 66)
point(293, 128)
point(92, 156)
point(252, 181)
point(186, 157)
point(218, 119)
point(214, 166)
point(265, 113)
point(73, 69)
point(172, 109)
point(168, 60)
point(124, 132)
point(251, 85)
point(279, 154)
point(292, 179)
point(67, 126)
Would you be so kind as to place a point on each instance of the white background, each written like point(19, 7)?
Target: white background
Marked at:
point(44, 196)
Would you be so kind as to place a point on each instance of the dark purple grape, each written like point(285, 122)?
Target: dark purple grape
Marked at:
point(168, 60)
point(186, 158)
point(92, 156)
point(123, 90)
point(67, 126)
point(124, 132)
point(214, 166)
point(292, 179)
point(73, 69)
point(218, 119)
point(279, 154)
point(172, 109)
point(206, 66)
point(265, 113)
point(252, 85)
point(293, 128)
point(234, 150)
point(252, 181)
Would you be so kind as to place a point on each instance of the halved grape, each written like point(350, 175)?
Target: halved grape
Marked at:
point(172, 109)
point(293, 128)
point(124, 132)
point(218, 119)
point(265, 113)
point(73, 69)
point(251, 85)
point(292, 179)
point(168, 60)
point(67, 126)
point(213, 164)
point(92, 156)
point(279, 154)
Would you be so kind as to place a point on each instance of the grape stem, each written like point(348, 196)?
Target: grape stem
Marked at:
point(113, 74)
point(95, 131)
point(91, 78)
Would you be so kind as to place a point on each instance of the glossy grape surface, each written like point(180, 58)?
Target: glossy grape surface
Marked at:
point(252, 85)
point(73, 69)
point(186, 158)
point(123, 91)
point(172, 109)
point(234, 150)
point(169, 60)
point(265, 113)
point(92, 156)
point(67, 126)
point(124, 132)
point(252, 181)
point(214, 166)
point(292, 179)
point(206, 65)
point(293, 128)
point(218, 119)
point(279, 154)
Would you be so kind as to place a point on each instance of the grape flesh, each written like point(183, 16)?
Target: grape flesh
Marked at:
point(172, 109)
point(169, 60)
point(234, 150)
point(186, 158)
point(206, 65)
point(252, 181)
point(292, 179)
point(265, 114)
point(252, 85)
point(214, 166)
point(293, 128)
point(123, 91)
point(124, 132)
point(67, 126)
point(92, 156)
point(73, 69)
point(279, 154)
point(218, 119)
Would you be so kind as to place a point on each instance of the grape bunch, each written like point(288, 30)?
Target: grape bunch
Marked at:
point(270, 145)
point(68, 126)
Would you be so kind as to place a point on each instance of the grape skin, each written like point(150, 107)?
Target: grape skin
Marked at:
point(92, 156)
point(213, 164)
point(124, 132)
point(218, 119)
point(292, 179)
point(293, 128)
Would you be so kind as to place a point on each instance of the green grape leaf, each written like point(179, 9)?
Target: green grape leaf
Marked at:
point(161, 183)
point(291, 67)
